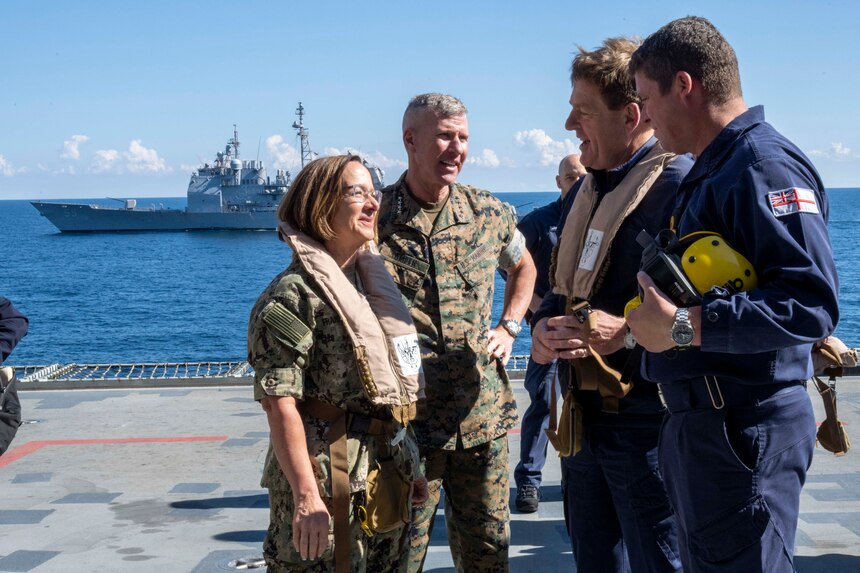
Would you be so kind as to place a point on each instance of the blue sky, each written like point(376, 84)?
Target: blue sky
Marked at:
point(124, 99)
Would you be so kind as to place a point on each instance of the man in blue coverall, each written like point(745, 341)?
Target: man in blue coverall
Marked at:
point(738, 440)
point(539, 229)
point(615, 505)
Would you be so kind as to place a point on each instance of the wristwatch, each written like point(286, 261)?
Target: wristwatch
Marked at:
point(512, 326)
point(682, 328)
point(629, 340)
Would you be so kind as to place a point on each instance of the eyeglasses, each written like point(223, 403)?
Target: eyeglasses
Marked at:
point(358, 194)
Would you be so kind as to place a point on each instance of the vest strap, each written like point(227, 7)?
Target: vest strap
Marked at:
point(593, 373)
point(339, 420)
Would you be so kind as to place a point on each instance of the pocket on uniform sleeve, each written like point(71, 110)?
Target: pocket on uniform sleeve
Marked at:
point(736, 530)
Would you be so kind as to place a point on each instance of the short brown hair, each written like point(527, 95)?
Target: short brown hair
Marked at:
point(695, 46)
point(607, 67)
point(310, 204)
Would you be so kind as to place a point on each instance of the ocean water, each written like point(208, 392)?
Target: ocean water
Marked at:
point(185, 296)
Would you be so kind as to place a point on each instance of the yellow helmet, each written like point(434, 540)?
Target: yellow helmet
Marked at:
point(631, 304)
point(709, 261)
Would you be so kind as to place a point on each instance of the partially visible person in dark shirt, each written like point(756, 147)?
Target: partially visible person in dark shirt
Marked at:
point(539, 229)
point(13, 327)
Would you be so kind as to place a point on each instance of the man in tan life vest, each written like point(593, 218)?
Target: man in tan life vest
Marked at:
point(617, 511)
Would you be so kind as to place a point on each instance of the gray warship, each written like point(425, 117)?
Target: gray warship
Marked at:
point(231, 193)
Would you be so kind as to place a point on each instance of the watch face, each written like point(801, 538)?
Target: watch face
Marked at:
point(682, 334)
point(512, 327)
point(629, 341)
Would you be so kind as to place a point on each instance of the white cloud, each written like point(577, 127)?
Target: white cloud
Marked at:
point(70, 147)
point(840, 150)
point(105, 160)
point(140, 159)
point(382, 160)
point(551, 151)
point(6, 168)
point(487, 158)
point(188, 168)
point(284, 155)
point(837, 152)
point(375, 157)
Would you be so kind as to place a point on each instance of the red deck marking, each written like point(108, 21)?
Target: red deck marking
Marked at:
point(31, 447)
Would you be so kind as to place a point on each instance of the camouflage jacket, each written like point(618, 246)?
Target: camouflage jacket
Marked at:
point(445, 273)
point(321, 366)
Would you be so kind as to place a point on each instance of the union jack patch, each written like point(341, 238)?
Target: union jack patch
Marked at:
point(793, 200)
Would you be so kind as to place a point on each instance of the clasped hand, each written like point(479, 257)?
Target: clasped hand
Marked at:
point(566, 338)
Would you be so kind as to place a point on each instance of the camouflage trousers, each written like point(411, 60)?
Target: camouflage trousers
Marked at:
point(476, 487)
point(382, 553)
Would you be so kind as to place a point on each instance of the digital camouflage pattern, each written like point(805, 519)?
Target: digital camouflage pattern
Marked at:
point(445, 273)
point(476, 507)
point(320, 366)
point(382, 553)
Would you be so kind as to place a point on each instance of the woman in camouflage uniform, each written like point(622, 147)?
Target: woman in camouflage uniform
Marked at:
point(304, 354)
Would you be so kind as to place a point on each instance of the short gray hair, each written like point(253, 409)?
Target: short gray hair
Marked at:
point(442, 105)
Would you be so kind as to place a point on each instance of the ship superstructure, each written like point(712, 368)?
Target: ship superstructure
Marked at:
point(231, 185)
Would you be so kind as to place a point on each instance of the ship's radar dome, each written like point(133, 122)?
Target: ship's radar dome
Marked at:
point(236, 164)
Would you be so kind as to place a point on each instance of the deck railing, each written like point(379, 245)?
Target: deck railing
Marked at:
point(153, 374)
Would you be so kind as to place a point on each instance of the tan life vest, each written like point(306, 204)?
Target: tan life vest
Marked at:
point(384, 338)
point(385, 344)
point(582, 258)
point(583, 250)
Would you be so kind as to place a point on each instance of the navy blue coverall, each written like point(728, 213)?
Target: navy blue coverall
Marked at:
point(736, 446)
point(616, 508)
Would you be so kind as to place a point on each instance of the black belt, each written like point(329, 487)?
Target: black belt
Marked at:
point(361, 424)
point(710, 393)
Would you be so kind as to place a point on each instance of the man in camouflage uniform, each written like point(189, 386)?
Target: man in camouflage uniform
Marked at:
point(442, 242)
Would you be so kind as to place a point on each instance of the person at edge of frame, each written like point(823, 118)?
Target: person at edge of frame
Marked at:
point(442, 242)
point(738, 440)
point(540, 231)
point(616, 508)
point(13, 327)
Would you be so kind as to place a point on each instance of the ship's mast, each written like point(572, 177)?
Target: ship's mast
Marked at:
point(235, 142)
point(307, 154)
